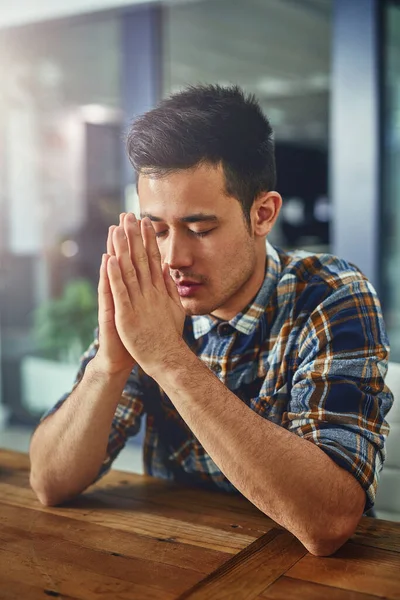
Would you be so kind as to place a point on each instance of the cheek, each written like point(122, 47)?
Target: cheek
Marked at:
point(226, 253)
point(231, 258)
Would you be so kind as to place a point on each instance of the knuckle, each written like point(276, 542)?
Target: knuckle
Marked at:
point(125, 303)
point(142, 258)
point(130, 274)
point(155, 254)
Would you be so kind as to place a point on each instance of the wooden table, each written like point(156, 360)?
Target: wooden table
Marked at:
point(136, 537)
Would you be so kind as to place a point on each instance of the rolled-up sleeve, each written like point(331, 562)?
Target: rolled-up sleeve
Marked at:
point(338, 398)
point(127, 418)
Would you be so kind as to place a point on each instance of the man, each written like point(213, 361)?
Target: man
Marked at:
point(259, 371)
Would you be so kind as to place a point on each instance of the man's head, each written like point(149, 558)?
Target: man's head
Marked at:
point(208, 151)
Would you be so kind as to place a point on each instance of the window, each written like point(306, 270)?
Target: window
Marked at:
point(390, 260)
point(60, 170)
point(280, 51)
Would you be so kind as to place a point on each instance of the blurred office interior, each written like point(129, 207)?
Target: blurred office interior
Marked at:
point(327, 74)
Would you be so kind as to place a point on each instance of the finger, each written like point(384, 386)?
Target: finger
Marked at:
point(129, 233)
point(105, 300)
point(138, 252)
point(122, 218)
point(110, 243)
point(103, 280)
point(170, 284)
point(153, 254)
point(126, 266)
point(121, 299)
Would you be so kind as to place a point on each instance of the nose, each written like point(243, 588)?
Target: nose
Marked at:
point(177, 252)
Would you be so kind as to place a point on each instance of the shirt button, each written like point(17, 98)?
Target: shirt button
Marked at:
point(224, 329)
point(217, 368)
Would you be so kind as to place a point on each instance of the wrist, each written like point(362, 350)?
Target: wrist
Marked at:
point(105, 375)
point(179, 358)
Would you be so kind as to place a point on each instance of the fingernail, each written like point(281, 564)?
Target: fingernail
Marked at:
point(147, 222)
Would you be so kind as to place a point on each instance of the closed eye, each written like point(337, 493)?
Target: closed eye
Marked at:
point(201, 233)
point(196, 233)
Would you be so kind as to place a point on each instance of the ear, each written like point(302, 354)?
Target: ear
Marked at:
point(264, 212)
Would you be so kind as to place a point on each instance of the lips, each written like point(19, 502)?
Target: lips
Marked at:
point(187, 288)
point(186, 282)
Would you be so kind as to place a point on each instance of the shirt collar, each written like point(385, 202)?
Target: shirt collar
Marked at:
point(247, 320)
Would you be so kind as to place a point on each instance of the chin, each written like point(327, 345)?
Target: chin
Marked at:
point(193, 308)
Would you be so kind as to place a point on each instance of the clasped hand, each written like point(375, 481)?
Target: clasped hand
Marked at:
point(140, 313)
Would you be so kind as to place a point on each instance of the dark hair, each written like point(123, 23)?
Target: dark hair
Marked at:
point(208, 124)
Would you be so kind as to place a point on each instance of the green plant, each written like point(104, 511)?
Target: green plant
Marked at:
point(63, 327)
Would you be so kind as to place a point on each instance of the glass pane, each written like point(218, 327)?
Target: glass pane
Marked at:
point(60, 189)
point(391, 197)
point(280, 51)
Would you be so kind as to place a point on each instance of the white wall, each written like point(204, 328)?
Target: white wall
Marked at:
point(30, 11)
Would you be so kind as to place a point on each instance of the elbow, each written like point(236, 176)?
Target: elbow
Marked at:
point(43, 492)
point(46, 499)
point(326, 545)
point(323, 547)
point(50, 491)
point(334, 532)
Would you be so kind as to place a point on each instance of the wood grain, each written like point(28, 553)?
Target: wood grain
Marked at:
point(286, 588)
point(41, 524)
point(137, 521)
point(72, 580)
point(252, 570)
point(52, 556)
point(10, 590)
point(221, 510)
point(354, 567)
point(133, 537)
point(378, 534)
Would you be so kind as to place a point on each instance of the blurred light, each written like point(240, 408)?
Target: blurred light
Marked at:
point(322, 209)
point(98, 114)
point(273, 86)
point(69, 248)
point(132, 200)
point(319, 81)
point(49, 74)
point(293, 211)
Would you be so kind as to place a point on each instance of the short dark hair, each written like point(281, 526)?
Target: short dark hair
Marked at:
point(208, 124)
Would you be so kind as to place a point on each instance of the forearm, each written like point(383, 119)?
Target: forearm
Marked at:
point(290, 479)
point(68, 448)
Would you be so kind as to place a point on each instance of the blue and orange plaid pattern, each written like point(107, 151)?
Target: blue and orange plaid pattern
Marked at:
point(309, 353)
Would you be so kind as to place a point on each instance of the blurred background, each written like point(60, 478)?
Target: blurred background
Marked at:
point(73, 75)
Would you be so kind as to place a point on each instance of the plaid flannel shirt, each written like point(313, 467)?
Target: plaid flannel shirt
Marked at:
point(309, 353)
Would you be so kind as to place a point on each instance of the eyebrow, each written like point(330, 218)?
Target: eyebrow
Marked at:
point(198, 217)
